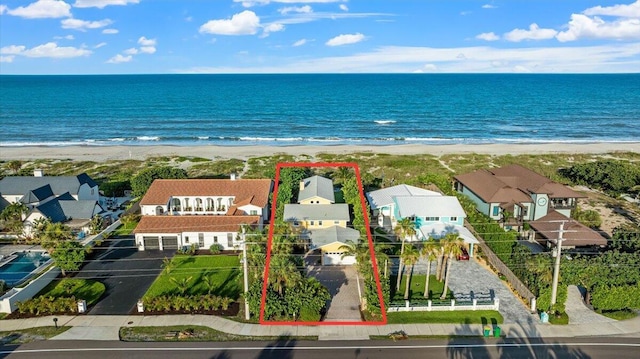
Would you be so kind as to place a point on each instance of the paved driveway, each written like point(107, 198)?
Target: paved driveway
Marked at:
point(126, 273)
point(344, 305)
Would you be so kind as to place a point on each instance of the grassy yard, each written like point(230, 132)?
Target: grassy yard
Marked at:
point(416, 288)
point(89, 290)
point(619, 314)
point(191, 333)
point(29, 335)
point(483, 317)
point(125, 229)
point(224, 271)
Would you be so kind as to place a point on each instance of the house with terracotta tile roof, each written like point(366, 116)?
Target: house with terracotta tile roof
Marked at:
point(182, 212)
point(514, 194)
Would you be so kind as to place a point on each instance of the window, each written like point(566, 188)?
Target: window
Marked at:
point(230, 240)
point(311, 223)
point(296, 223)
point(186, 239)
point(201, 240)
point(253, 212)
point(496, 211)
point(215, 239)
point(454, 219)
point(432, 218)
point(319, 223)
point(336, 222)
point(525, 211)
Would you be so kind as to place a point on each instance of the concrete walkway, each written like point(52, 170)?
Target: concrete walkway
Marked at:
point(578, 312)
point(88, 327)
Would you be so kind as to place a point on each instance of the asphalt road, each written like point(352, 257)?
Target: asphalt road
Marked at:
point(620, 348)
point(126, 273)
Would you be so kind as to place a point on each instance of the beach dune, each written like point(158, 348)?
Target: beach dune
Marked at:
point(103, 153)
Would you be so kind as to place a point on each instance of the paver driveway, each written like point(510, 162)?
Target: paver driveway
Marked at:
point(127, 274)
point(341, 281)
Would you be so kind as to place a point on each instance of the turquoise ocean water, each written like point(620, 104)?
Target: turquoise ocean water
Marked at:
point(318, 109)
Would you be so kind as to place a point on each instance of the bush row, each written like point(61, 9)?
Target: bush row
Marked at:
point(43, 305)
point(188, 303)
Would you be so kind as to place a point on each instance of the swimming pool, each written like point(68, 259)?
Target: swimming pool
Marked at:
point(19, 266)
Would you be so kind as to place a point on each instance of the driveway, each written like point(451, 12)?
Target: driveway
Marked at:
point(470, 276)
point(126, 273)
point(341, 281)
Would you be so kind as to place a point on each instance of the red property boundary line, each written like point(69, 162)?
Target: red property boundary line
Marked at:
point(356, 169)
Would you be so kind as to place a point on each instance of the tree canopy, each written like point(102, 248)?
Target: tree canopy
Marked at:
point(142, 181)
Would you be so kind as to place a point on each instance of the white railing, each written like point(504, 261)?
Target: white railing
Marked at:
point(449, 306)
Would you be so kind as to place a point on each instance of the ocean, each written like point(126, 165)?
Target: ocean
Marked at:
point(318, 109)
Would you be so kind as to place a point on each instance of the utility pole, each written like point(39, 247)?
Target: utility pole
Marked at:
point(556, 269)
point(247, 315)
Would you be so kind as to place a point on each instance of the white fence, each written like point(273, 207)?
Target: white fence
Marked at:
point(431, 307)
point(8, 302)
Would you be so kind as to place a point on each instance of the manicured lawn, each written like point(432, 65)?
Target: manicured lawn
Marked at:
point(224, 271)
point(416, 289)
point(89, 290)
point(455, 317)
point(125, 229)
point(190, 333)
point(620, 314)
point(32, 334)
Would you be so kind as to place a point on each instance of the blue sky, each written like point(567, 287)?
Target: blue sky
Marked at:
point(310, 36)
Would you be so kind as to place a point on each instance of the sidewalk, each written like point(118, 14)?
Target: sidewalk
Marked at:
point(91, 327)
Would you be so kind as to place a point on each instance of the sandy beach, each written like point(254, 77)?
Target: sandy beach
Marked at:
point(102, 153)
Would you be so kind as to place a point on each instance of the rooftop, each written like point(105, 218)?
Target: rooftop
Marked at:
point(384, 197)
point(316, 186)
point(575, 234)
point(175, 224)
point(254, 191)
point(429, 206)
point(333, 212)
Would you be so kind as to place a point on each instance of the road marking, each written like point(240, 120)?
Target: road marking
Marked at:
point(284, 347)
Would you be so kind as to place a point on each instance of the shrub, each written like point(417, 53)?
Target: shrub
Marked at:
point(215, 248)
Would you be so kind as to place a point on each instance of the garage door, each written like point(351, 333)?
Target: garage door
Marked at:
point(151, 242)
point(170, 243)
point(335, 258)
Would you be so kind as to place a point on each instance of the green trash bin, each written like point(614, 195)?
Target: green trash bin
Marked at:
point(496, 332)
point(487, 331)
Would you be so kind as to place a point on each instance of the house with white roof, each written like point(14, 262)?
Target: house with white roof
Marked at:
point(433, 214)
point(322, 221)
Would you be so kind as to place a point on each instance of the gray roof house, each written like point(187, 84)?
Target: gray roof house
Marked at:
point(33, 189)
point(318, 212)
point(315, 188)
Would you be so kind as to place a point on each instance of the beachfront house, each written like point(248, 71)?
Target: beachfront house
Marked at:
point(321, 221)
point(514, 194)
point(180, 213)
point(72, 200)
point(433, 214)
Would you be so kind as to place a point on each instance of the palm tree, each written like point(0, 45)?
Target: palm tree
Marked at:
point(410, 257)
point(53, 234)
point(404, 228)
point(182, 284)
point(284, 273)
point(359, 250)
point(210, 283)
point(453, 248)
point(429, 251)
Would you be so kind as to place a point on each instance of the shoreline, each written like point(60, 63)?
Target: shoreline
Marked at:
point(142, 152)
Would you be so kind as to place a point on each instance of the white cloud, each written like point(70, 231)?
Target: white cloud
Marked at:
point(585, 27)
point(7, 59)
point(42, 9)
point(465, 13)
point(146, 42)
point(67, 37)
point(110, 31)
point(250, 3)
point(273, 27)
point(102, 3)
point(613, 58)
point(100, 45)
point(244, 23)
point(297, 9)
point(147, 49)
point(3, 8)
point(118, 59)
point(631, 10)
point(82, 25)
point(50, 49)
point(489, 6)
point(131, 51)
point(345, 39)
point(534, 33)
point(344, 7)
point(488, 36)
point(299, 42)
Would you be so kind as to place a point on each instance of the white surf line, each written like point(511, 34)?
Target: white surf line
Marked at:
point(276, 348)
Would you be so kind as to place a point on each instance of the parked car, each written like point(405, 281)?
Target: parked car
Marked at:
point(464, 256)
